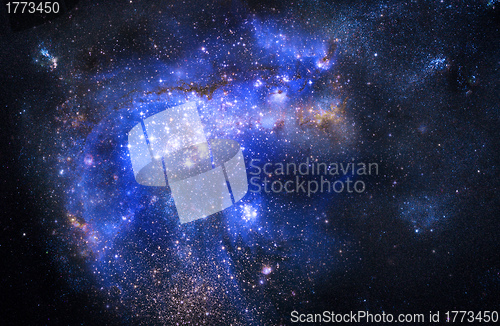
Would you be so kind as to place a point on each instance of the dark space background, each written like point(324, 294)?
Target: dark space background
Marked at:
point(413, 85)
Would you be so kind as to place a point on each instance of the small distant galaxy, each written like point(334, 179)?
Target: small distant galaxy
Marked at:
point(369, 132)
